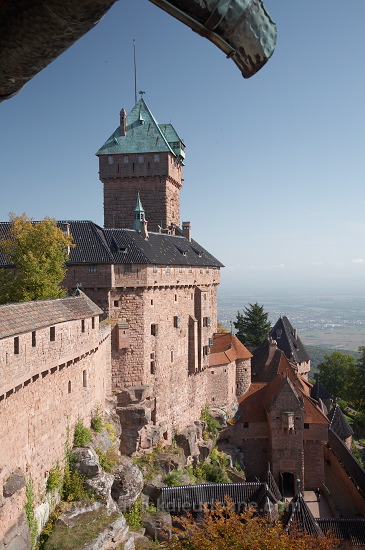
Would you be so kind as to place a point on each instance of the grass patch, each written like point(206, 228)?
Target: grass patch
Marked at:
point(89, 526)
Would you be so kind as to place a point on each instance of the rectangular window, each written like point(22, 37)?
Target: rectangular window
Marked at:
point(34, 339)
point(127, 268)
point(153, 367)
point(156, 158)
point(82, 325)
point(190, 269)
point(110, 160)
point(116, 303)
point(154, 269)
point(93, 268)
point(211, 342)
point(52, 334)
point(167, 269)
point(16, 345)
point(154, 329)
point(140, 159)
point(92, 322)
point(177, 321)
point(125, 159)
point(181, 269)
point(206, 321)
point(84, 379)
point(205, 350)
point(172, 356)
point(306, 426)
point(245, 425)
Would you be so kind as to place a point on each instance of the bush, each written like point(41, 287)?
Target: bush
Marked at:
point(173, 479)
point(213, 425)
point(109, 459)
point(97, 421)
point(82, 435)
point(133, 515)
point(214, 473)
point(54, 480)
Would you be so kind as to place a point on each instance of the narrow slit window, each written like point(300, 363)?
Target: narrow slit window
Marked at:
point(34, 339)
point(52, 334)
point(16, 345)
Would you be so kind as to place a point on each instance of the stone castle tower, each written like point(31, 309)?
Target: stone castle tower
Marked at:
point(143, 157)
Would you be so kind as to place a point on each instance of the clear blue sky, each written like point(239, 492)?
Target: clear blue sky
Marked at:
point(275, 165)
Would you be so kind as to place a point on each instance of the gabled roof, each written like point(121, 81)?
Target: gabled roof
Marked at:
point(28, 316)
point(95, 245)
point(251, 404)
point(143, 135)
point(300, 517)
point(288, 341)
point(339, 424)
point(226, 348)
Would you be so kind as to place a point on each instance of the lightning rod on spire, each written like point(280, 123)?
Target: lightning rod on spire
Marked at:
point(135, 71)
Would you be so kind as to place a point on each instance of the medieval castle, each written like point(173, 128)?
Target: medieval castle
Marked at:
point(159, 352)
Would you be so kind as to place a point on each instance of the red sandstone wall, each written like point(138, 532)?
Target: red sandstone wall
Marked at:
point(221, 382)
point(158, 184)
point(35, 417)
point(313, 464)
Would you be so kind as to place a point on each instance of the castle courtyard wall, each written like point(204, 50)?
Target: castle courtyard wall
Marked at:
point(43, 392)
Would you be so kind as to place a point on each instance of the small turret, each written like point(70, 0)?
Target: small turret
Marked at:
point(139, 215)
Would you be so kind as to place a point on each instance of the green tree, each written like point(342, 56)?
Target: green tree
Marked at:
point(252, 325)
point(335, 372)
point(38, 251)
point(356, 382)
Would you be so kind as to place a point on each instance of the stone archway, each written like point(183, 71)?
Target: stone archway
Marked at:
point(287, 484)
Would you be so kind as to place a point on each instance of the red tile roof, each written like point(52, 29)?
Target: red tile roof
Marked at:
point(226, 348)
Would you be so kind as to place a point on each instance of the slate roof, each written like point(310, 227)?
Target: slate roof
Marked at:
point(143, 135)
point(344, 529)
point(95, 245)
point(188, 497)
point(300, 517)
point(319, 391)
point(292, 346)
point(28, 316)
point(226, 348)
point(339, 424)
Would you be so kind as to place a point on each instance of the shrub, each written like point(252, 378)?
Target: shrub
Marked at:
point(54, 480)
point(82, 435)
point(109, 459)
point(213, 425)
point(133, 515)
point(111, 430)
point(97, 421)
point(173, 479)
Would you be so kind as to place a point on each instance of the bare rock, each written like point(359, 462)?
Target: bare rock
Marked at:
point(102, 441)
point(133, 395)
point(187, 440)
point(128, 483)
point(18, 536)
point(205, 448)
point(158, 525)
point(220, 415)
point(169, 461)
point(101, 486)
point(70, 517)
point(14, 483)
point(87, 461)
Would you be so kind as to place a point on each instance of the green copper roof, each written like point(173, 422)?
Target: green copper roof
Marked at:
point(143, 135)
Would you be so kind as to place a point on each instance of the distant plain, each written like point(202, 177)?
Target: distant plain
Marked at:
point(333, 320)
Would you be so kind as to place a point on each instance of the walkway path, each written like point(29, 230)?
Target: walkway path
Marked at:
point(319, 509)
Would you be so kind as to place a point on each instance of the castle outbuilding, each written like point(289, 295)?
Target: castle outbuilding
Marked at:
point(288, 341)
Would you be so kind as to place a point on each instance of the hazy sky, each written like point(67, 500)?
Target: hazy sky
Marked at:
point(275, 165)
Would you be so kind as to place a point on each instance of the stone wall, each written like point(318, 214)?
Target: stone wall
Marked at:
point(44, 390)
point(158, 184)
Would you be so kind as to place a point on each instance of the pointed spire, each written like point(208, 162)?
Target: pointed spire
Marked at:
point(139, 214)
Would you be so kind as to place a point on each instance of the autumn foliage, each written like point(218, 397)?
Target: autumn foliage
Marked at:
point(224, 529)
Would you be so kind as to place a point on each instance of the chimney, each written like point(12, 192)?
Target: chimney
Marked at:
point(186, 230)
point(65, 226)
point(144, 231)
point(123, 122)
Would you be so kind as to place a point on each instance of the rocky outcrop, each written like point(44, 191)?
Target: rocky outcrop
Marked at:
point(101, 486)
point(158, 525)
point(14, 483)
point(128, 483)
point(18, 537)
point(86, 461)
